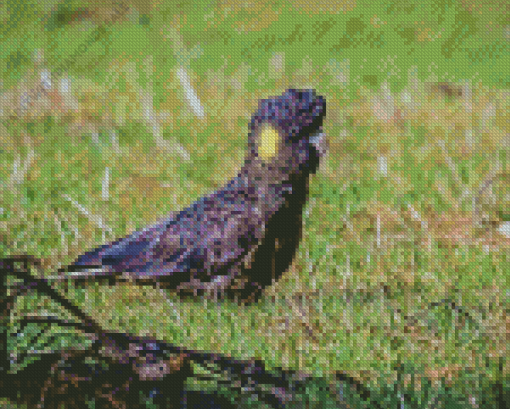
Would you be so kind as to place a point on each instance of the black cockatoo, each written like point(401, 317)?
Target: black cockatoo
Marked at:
point(241, 238)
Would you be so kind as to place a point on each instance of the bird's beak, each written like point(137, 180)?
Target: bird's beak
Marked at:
point(319, 141)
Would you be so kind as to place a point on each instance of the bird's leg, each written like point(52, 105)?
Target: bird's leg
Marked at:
point(211, 289)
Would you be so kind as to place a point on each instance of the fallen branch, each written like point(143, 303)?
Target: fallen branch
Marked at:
point(132, 363)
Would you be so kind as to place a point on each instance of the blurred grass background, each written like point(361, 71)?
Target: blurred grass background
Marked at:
point(401, 280)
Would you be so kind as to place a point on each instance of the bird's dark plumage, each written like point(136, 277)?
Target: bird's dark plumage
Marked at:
point(240, 238)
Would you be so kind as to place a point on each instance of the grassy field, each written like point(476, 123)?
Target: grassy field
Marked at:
point(114, 114)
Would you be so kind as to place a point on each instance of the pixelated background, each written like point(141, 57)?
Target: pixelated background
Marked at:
point(114, 113)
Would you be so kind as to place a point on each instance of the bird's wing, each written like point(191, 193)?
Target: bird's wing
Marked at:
point(129, 253)
point(205, 239)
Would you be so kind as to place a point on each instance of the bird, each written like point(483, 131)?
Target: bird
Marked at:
point(238, 240)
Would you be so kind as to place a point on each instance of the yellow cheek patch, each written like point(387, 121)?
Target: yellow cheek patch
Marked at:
point(268, 147)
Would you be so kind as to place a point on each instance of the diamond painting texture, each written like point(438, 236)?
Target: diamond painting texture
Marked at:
point(183, 223)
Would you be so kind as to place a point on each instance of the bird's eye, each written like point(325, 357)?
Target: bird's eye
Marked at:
point(268, 146)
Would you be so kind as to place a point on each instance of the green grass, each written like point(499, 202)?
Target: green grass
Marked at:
point(402, 215)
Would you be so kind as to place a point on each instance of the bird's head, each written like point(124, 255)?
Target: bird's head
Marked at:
point(286, 131)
